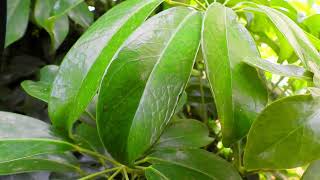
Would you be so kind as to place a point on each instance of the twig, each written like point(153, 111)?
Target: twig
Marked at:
point(89, 152)
point(115, 173)
point(91, 176)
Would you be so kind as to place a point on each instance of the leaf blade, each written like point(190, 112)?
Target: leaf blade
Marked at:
point(41, 89)
point(238, 91)
point(81, 15)
point(283, 70)
point(86, 65)
point(294, 35)
point(17, 20)
point(57, 27)
point(201, 162)
point(184, 133)
point(292, 142)
point(22, 137)
point(53, 163)
point(146, 56)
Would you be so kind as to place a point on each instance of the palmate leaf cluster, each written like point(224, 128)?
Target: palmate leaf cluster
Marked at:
point(122, 94)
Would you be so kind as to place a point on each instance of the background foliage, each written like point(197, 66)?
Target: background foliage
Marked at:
point(42, 32)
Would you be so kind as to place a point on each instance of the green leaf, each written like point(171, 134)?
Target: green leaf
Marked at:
point(184, 133)
point(312, 171)
point(235, 2)
point(62, 7)
point(142, 86)
point(83, 67)
point(282, 70)
point(42, 11)
point(285, 7)
point(285, 135)
point(239, 93)
point(189, 164)
point(57, 28)
point(22, 137)
point(87, 136)
point(314, 40)
point(313, 24)
point(294, 34)
point(28, 176)
point(17, 20)
point(48, 162)
point(41, 89)
point(81, 15)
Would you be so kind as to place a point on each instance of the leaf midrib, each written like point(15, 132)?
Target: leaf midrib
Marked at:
point(228, 53)
point(302, 125)
point(35, 139)
point(33, 157)
point(115, 53)
point(158, 173)
point(179, 27)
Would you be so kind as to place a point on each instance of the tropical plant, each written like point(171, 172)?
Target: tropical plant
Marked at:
point(133, 98)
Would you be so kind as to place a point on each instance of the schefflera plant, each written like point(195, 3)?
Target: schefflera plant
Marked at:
point(115, 94)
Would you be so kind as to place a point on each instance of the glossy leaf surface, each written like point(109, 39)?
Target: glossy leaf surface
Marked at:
point(189, 164)
point(285, 135)
point(282, 70)
point(294, 35)
point(17, 20)
point(184, 133)
point(22, 137)
point(77, 10)
point(83, 67)
point(41, 89)
point(62, 7)
point(314, 40)
point(312, 172)
point(57, 28)
point(52, 163)
point(239, 93)
point(142, 86)
point(313, 25)
point(81, 15)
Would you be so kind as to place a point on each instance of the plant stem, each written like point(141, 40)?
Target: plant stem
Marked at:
point(243, 3)
point(140, 167)
point(238, 157)
point(115, 173)
point(89, 152)
point(200, 4)
point(91, 176)
point(181, 4)
point(141, 161)
point(277, 83)
point(207, 3)
point(90, 115)
point(125, 174)
point(226, 2)
point(134, 176)
point(203, 109)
